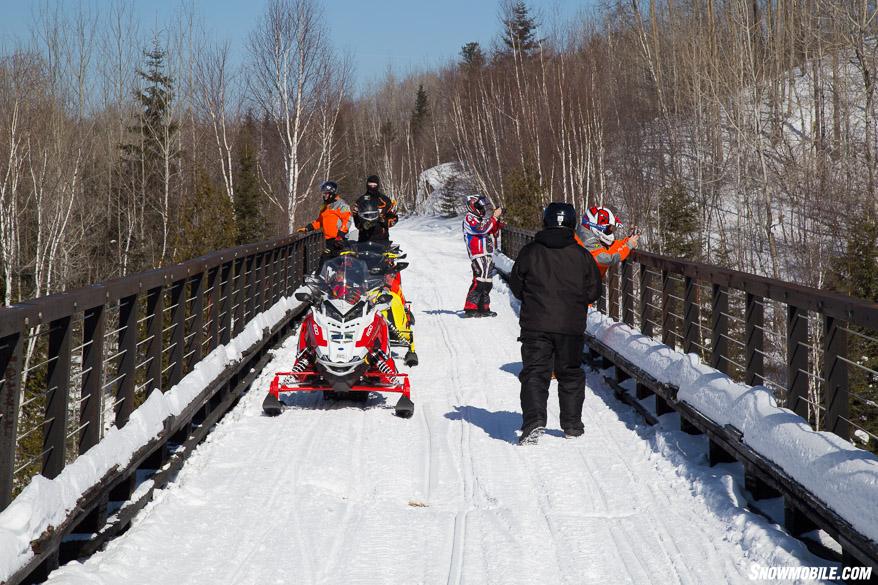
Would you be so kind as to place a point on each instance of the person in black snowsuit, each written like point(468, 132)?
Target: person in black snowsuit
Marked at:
point(370, 227)
point(556, 279)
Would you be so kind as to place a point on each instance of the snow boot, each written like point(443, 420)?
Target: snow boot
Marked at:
point(573, 433)
point(531, 436)
point(468, 313)
point(487, 313)
point(411, 358)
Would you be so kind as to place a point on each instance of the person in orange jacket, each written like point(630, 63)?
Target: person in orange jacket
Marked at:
point(334, 219)
point(598, 232)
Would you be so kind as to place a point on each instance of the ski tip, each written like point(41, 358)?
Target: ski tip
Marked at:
point(405, 408)
point(271, 406)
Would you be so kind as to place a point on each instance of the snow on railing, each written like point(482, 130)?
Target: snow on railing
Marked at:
point(91, 377)
point(769, 366)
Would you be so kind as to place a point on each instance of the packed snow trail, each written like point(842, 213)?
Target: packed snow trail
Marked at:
point(344, 493)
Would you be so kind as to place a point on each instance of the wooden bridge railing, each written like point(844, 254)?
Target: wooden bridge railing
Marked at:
point(817, 351)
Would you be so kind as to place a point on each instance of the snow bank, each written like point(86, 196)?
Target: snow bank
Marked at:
point(442, 189)
point(842, 476)
point(47, 502)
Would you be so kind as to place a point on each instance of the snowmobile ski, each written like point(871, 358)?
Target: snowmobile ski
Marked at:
point(405, 408)
point(271, 406)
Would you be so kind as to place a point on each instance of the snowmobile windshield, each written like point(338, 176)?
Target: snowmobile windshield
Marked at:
point(344, 278)
point(370, 248)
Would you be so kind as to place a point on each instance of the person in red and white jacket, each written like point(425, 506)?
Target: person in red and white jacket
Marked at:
point(479, 232)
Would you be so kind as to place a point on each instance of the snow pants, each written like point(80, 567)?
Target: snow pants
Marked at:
point(478, 298)
point(332, 248)
point(541, 354)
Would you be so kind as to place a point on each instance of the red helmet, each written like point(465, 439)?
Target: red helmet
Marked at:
point(476, 204)
point(602, 223)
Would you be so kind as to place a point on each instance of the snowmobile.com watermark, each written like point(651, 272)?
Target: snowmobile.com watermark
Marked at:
point(763, 573)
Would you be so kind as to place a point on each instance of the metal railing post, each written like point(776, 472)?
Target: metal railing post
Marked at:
point(178, 337)
point(835, 392)
point(239, 300)
point(225, 310)
point(797, 360)
point(667, 331)
point(627, 294)
point(754, 332)
point(646, 313)
point(11, 360)
point(155, 324)
point(127, 360)
point(93, 330)
point(57, 397)
point(719, 326)
point(214, 281)
point(690, 317)
point(196, 294)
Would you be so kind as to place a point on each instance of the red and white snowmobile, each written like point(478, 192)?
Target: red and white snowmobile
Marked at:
point(343, 348)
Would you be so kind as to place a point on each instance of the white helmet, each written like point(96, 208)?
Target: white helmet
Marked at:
point(602, 223)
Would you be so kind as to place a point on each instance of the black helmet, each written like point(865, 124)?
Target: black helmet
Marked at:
point(368, 211)
point(329, 190)
point(373, 179)
point(558, 215)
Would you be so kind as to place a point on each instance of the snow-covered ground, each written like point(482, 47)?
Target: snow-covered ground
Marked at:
point(344, 493)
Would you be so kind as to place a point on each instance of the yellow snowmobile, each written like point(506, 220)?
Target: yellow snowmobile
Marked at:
point(383, 264)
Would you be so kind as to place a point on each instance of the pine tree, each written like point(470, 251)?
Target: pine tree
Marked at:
point(679, 223)
point(248, 214)
point(449, 199)
point(859, 278)
point(207, 221)
point(472, 57)
point(519, 30)
point(151, 158)
point(525, 199)
point(420, 113)
point(155, 131)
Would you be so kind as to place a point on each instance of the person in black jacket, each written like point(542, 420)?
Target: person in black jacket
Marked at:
point(556, 280)
point(374, 227)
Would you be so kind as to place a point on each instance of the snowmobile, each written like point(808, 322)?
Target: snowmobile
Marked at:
point(384, 268)
point(343, 348)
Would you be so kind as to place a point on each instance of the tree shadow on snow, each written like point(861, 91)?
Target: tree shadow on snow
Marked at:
point(500, 425)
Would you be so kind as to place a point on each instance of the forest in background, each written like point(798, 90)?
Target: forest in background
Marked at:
point(739, 132)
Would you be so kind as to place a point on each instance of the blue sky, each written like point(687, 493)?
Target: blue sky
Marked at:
point(403, 34)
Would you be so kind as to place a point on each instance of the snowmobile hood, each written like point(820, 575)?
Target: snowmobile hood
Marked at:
point(555, 238)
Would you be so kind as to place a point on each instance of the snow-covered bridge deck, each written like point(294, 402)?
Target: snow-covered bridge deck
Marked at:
point(339, 493)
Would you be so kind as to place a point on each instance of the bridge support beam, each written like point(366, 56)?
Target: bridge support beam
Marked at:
point(795, 521)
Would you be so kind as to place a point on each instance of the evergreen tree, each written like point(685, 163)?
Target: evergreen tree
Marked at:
point(152, 156)
point(524, 198)
point(679, 223)
point(207, 221)
point(155, 131)
point(420, 113)
point(248, 213)
point(472, 57)
point(449, 199)
point(859, 278)
point(519, 30)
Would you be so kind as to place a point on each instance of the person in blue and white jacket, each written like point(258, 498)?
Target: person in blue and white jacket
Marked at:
point(479, 232)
